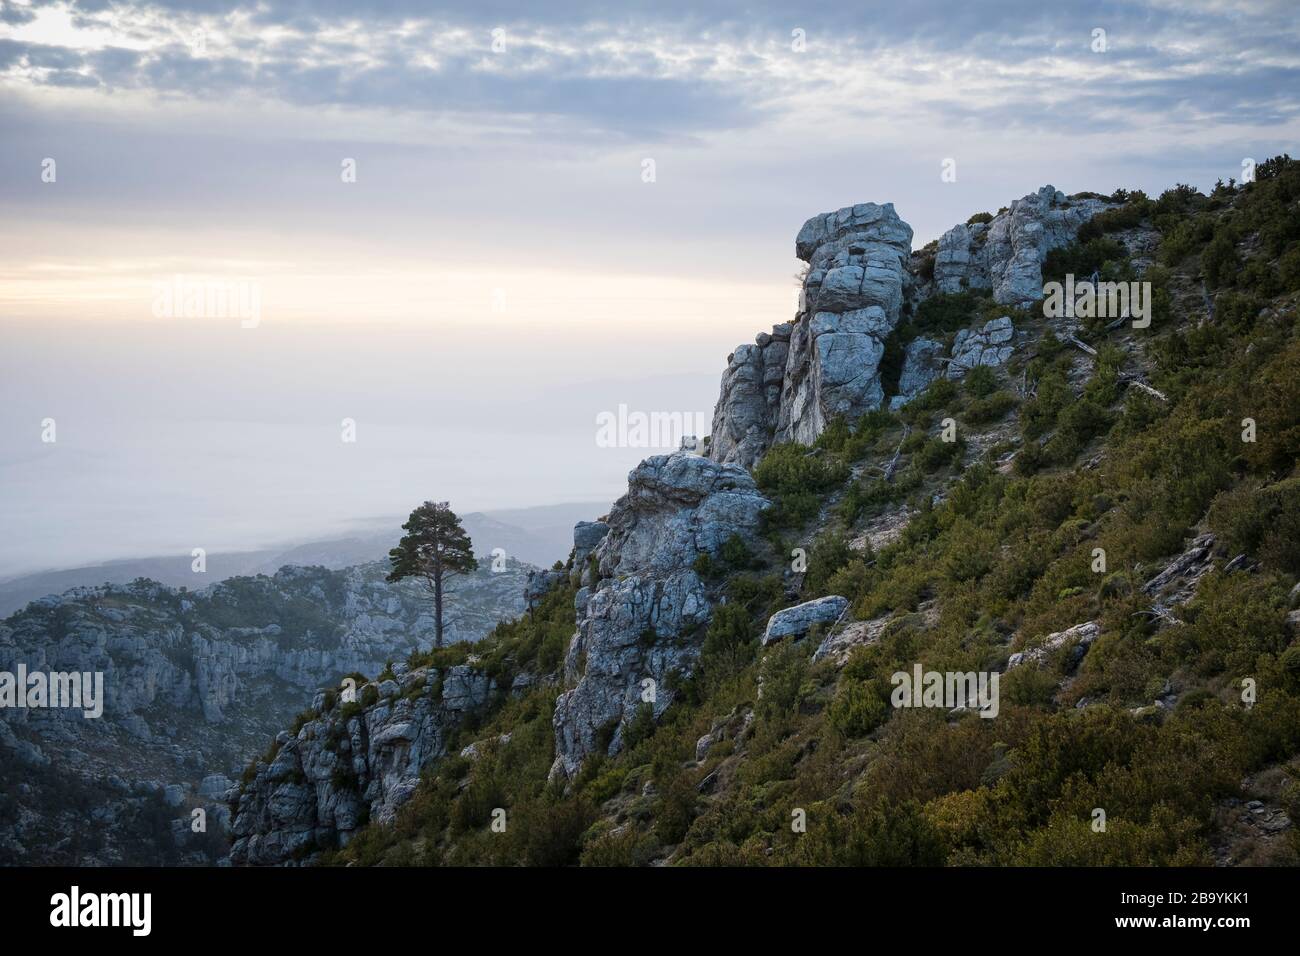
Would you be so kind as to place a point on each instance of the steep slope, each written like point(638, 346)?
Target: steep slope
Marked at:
point(1097, 518)
point(195, 684)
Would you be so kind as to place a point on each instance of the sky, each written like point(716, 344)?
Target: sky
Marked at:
point(472, 229)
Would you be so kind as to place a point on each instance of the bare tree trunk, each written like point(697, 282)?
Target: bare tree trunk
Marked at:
point(437, 609)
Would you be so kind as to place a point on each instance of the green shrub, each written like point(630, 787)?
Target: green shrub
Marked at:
point(981, 381)
point(858, 708)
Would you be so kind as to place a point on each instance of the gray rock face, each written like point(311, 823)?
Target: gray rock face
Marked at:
point(195, 683)
point(990, 345)
point(798, 620)
point(839, 647)
point(788, 385)
point(639, 623)
point(586, 536)
point(346, 767)
point(921, 366)
point(1006, 255)
point(539, 584)
point(747, 411)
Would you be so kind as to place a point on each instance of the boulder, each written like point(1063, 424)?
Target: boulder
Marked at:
point(1080, 637)
point(798, 620)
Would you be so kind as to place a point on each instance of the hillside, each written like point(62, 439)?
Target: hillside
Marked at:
point(922, 472)
point(196, 682)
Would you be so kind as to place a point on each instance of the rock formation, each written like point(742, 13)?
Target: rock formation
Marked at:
point(826, 362)
point(789, 384)
point(351, 763)
point(637, 623)
point(799, 620)
point(922, 364)
point(990, 345)
point(1006, 254)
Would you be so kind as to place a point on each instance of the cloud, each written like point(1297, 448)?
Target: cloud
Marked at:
point(665, 71)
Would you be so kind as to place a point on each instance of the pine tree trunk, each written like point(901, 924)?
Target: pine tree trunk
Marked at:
point(437, 610)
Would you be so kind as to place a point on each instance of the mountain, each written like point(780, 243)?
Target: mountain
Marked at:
point(964, 578)
point(538, 535)
point(195, 683)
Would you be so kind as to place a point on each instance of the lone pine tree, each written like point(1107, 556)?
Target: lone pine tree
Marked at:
point(434, 546)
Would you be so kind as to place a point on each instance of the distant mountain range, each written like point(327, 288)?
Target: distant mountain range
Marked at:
point(539, 536)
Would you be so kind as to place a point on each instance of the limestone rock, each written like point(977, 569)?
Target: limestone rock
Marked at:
point(839, 646)
point(789, 384)
point(798, 620)
point(1080, 636)
point(921, 366)
point(344, 767)
point(1006, 255)
point(540, 584)
point(990, 346)
point(749, 402)
point(641, 622)
point(586, 536)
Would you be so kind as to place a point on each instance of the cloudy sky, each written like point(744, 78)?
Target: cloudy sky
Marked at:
point(443, 211)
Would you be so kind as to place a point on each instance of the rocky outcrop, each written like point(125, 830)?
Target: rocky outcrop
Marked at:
point(839, 645)
point(1006, 254)
point(990, 346)
point(639, 624)
point(799, 620)
point(541, 583)
point(749, 406)
point(922, 364)
point(789, 384)
point(586, 536)
point(351, 764)
point(1078, 638)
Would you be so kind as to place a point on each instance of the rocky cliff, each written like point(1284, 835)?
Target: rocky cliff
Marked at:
point(638, 620)
point(351, 762)
point(195, 683)
point(861, 280)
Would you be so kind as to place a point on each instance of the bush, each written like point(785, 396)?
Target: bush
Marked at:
point(797, 478)
point(1262, 521)
point(1288, 268)
point(858, 708)
point(1220, 262)
point(981, 381)
point(1082, 259)
point(990, 409)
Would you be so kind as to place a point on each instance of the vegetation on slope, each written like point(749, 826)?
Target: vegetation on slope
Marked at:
point(999, 551)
